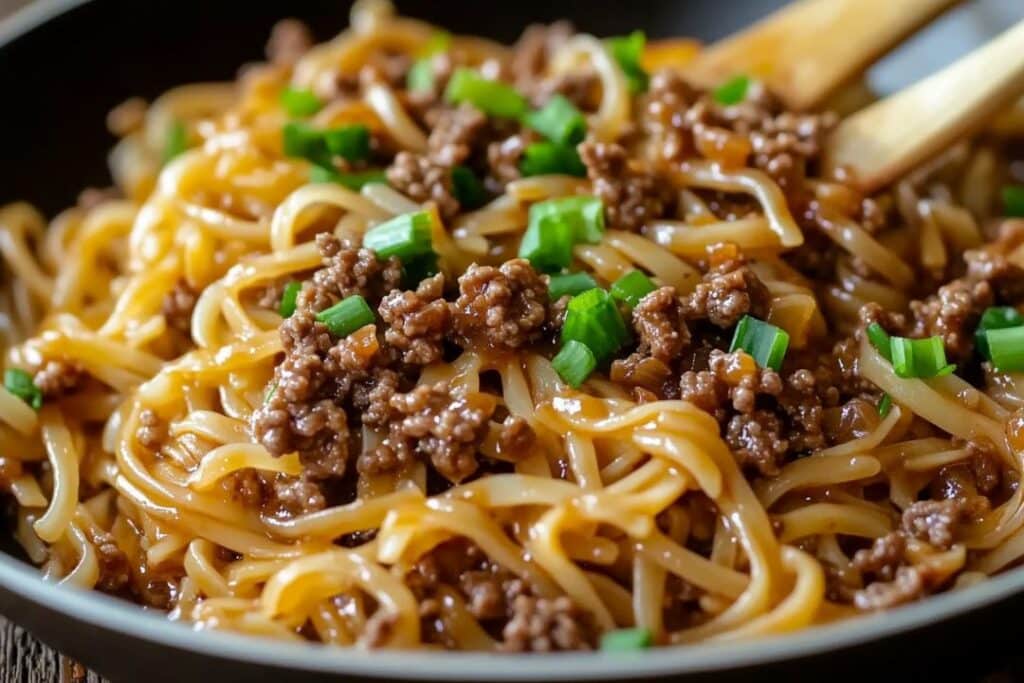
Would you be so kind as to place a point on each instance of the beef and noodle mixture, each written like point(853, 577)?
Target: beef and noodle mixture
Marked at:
point(410, 339)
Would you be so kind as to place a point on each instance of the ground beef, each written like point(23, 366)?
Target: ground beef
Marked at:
point(658, 321)
point(456, 133)
point(547, 625)
point(152, 430)
point(276, 495)
point(417, 321)
point(883, 558)
point(289, 40)
point(503, 308)
point(504, 157)
point(178, 305)
point(57, 378)
point(728, 291)
point(424, 180)
point(631, 197)
point(732, 381)
point(953, 313)
point(432, 423)
point(115, 570)
point(909, 584)
point(348, 270)
point(664, 114)
point(582, 88)
point(516, 437)
point(756, 441)
point(934, 521)
point(704, 389)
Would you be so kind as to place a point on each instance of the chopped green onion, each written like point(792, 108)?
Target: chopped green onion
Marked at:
point(574, 363)
point(592, 318)
point(353, 180)
point(556, 225)
point(766, 343)
point(20, 383)
point(732, 91)
point(288, 297)
point(995, 318)
point(885, 405)
point(559, 121)
point(1007, 348)
point(346, 316)
point(570, 283)
point(176, 142)
point(547, 158)
point(439, 42)
point(921, 358)
point(1013, 201)
point(468, 189)
point(632, 287)
point(319, 146)
point(491, 97)
point(300, 102)
point(406, 236)
point(351, 143)
point(270, 392)
point(626, 640)
point(421, 74)
point(879, 338)
point(418, 269)
point(627, 51)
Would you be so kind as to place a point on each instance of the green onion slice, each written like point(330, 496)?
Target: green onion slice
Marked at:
point(632, 287)
point(549, 158)
point(1007, 348)
point(421, 74)
point(570, 283)
point(468, 189)
point(556, 225)
point(732, 91)
point(766, 343)
point(1013, 201)
point(491, 97)
point(626, 640)
point(300, 102)
point(880, 339)
point(20, 383)
point(627, 51)
point(921, 358)
point(593, 319)
point(418, 269)
point(346, 316)
point(559, 121)
point(574, 363)
point(319, 146)
point(407, 236)
point(288, 297)
point(995, 318)
point(176, 142)
point(885, 405)
point(354, 180)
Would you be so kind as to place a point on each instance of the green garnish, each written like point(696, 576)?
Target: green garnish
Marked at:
point(880, 339)
point(346, 316)
point(491, 97)
point(764, 342)
point(921, 358)
point(995, 318)
point(547, 158)
point(732, 91)
point(626, 640)
point(593, 319)
point(418, 269)
point(468, 189)
point(574, 363)
point(570, 283)
point(176, 142)
point(627, 51)
point(288, 297)
point(1013, 201)
point(421, 73)
point(406, 237)
point(559, 121)
point(302, 140)
point(300, 102)
point(1006, 347)
point(556, 225)
point(632, 287)
point(885, 405)
point(20, 383)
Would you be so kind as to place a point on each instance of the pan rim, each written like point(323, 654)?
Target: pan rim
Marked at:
point(129, 620)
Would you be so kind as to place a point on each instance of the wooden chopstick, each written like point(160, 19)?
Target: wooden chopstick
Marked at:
point(808, 49)
point(892, 136)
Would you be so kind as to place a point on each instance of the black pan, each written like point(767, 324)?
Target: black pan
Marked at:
point(64, 64)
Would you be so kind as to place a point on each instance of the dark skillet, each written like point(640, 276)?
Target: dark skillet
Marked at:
point(64, 65)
